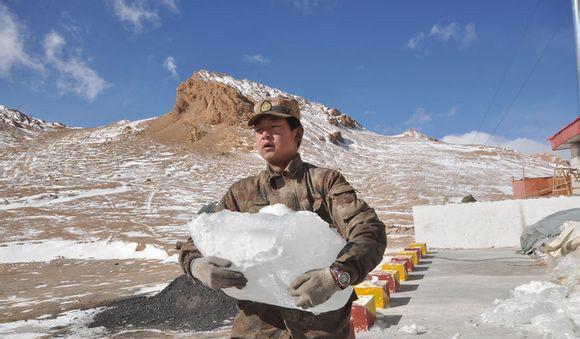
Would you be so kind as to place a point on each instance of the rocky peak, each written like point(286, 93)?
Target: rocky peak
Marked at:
point(210, 102)
point(414, 133)
point(208, 115)
point(337, 118)
point(212, 109)
point(16, 118)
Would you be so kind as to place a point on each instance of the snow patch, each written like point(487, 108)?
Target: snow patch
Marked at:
point(550, 309)
point(40, 200)
point(67, 249)
point(75, 320)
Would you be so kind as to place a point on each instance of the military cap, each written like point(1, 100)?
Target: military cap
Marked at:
point(278, 107)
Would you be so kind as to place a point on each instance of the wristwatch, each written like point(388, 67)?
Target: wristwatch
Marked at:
point(341, 277)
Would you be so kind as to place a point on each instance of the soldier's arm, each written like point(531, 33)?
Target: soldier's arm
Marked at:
point(189, 251)
point(359, 224)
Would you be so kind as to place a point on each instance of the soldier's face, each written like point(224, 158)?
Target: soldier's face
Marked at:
point(275, 140)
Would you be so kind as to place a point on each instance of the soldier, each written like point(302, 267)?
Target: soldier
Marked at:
point(300, 186)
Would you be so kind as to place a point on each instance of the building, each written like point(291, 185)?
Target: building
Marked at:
point(569, 138)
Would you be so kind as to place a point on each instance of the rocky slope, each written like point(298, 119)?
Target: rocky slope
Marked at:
point(16, 127)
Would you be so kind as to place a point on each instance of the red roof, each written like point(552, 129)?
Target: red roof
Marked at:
point(564, 138)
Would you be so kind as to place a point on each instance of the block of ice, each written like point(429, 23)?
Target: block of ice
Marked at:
point(548, 308)
point(271, 248)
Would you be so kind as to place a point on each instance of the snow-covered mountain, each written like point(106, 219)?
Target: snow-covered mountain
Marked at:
point(207, 126)
point(139, 182)
point(16, 126)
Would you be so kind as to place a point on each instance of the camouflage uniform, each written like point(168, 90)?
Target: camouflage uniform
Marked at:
point(302, 186)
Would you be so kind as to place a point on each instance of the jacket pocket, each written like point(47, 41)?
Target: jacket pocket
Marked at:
point(256, 204)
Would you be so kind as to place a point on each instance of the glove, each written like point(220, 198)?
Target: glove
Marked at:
point(313, 288)
point(212, 272)
point(187, 252)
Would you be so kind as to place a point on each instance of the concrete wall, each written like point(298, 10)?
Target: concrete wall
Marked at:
point(483, 224)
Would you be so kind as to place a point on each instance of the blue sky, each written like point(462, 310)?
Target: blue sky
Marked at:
point(392, 65)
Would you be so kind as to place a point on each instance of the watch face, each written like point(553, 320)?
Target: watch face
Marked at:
point(343, 278)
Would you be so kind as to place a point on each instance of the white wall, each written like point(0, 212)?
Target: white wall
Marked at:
point(483, 224)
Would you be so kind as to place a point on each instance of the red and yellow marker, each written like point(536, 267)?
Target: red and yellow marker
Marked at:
point(405, 260)
point(400, 268)
point(391, 277)
point(421, 245)
point(413, 253)
point(376, 289)
point(363, 313)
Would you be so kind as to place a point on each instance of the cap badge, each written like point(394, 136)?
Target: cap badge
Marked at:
point(266, 106)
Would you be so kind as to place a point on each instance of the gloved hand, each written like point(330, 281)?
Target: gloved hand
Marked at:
point(187, 252)
point(313, 288)
point(212, 272)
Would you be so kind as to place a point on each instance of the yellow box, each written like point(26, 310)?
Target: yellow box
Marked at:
point(367, 301)
point(368, 288)
point(415, 257)
point(397, 267)
point(422, 245)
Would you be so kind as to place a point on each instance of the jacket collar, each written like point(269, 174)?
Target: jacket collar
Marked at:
point(293, 170)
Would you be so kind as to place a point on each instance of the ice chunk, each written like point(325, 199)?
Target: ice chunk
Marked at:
point(550, 309)
point(555, 325)
point(413, 329)
point(271, 248)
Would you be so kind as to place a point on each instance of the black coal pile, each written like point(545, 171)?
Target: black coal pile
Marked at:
point(182, 305)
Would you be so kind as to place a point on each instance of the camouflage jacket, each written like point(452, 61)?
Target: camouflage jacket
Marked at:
point(302, 186)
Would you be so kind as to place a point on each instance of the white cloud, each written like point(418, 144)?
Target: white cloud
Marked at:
point(138, 15)
point(523, 145)
point(413, 43)
point(306, 5)
point(170, 66)
point(171, 5)
point(73, 28)
point(135, 14)
point(12, 53)
point(53, 44)
point(444, 33)
point(450, 113)
point(257, 59)
point(74, 75)
point(420, 117)
point(469, 35)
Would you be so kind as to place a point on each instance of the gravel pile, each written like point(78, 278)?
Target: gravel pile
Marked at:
point(182, 305)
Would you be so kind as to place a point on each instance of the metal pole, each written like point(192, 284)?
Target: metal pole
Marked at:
point(576, 14)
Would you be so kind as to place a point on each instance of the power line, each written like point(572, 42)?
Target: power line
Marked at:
point(508, 109)
point(575, 17)
point(507, 68)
